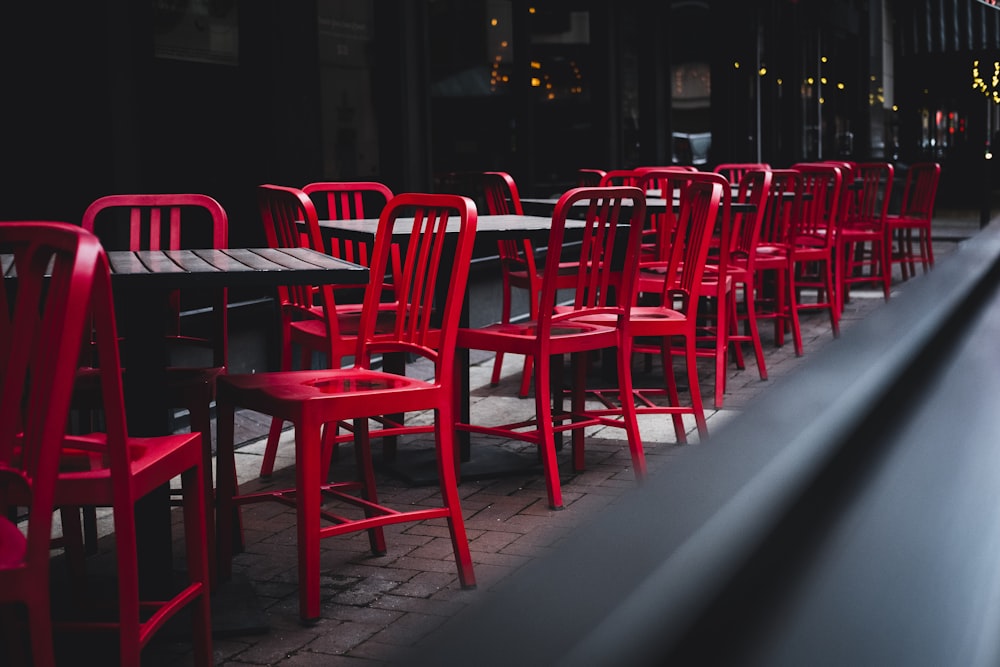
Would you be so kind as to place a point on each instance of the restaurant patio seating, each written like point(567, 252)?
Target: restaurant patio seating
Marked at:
point(734, 171)
point(772, 263)
point(812, 238)
point(42, 320)
point(311, 399)
point(680, 280)
point(198, 355)
point(351, 200)
point(862, 239)
point(754, 188)
point(110, 468)
point(589, 177)
point(914, 219)
point(601, 287)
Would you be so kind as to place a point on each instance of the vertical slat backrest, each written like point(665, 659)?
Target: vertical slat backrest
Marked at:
point(921, 190)
point(754, 188)
point(43, 313)
point(819, 213)
point(348, 200)
point(782, 206)
point(871, 193)
point(432, 257)
point(700, 208)
point(604, 279)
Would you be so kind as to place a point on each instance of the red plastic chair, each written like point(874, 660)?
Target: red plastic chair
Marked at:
point(312, 398)
point(914, 219)
point(111, 469)
point(595, 283)
point(862, 239)
point(42, 320)
point(812, 238)
point(176, 222)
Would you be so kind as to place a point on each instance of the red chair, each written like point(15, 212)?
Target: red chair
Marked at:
point(111, 469)
point(199, 356)
point(596, 283)
point(914, 219)
point(862, 240)
point(812, 238)
point(754, 188)
point(350, 200)
point(311, 399)
point(772, 254)
point(43, 316)
point(679, 280)
point(518, 268)
point(734, 171)
point(589, 177)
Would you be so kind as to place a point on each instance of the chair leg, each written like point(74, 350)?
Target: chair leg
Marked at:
point(673, 396)
point(366, 473)
point(546, 445)
point(445, 438)
point(197, 543)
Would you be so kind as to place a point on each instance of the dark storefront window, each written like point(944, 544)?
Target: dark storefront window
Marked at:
point(348, 128)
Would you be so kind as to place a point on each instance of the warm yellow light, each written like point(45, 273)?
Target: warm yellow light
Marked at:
point(822, 80)
point(822, 100)
point(762, 71)
point(823, 59)
point(780, 81)
point(736, 65)
point(504, 44)
point(840, 85)
point(494, 22)
point(536, 65)
point(810, 81)
point(531, 10)
point(505, 78)
point(895, 108)
point(535, 82)
point(551, 96)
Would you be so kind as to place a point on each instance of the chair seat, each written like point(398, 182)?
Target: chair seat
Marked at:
point(522, 337)
point(348, 392)
point(152, 461)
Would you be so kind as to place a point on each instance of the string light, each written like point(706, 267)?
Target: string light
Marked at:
point(990, 89)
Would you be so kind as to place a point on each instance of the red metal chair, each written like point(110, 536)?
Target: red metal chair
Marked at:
point(596, 284)
point(679, 280)
point(311, 399)
point(589, 177)
point(111, 469)
point(754, 188)
point(812, 238)
point(176, 222)
point(862, 240)
point(734, 171)
point(772, 263)
point(43, 316)
point(914, 219)
point(518, 268)
point(351, 200)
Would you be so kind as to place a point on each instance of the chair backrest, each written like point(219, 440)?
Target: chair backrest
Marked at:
point(604, 277)
point(500, 193)
point(734, 171)
point(43, 316)
point(723, 233)
point(290, 221)
point(668, 183)
point(920, 191)
point(435, 261)
point(782, 206)
point(615, 177)
point(754, 188)
point(348, 200)
point(699, 212)
point(869, 194)
point(168, 221)
point(158, 221)
point(818, 217)
point(589, 177)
